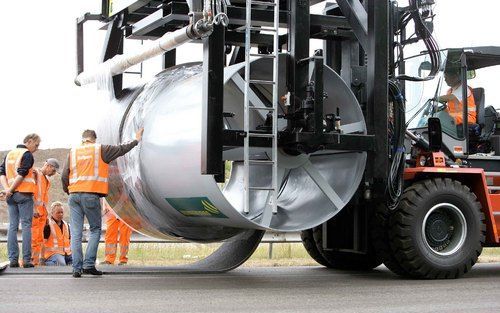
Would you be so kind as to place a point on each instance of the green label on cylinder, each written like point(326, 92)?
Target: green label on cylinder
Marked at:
point(195, 207)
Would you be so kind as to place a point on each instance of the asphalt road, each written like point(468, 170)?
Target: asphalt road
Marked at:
point(295, 289)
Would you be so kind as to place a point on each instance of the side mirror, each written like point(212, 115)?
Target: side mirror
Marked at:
point(471, 74)
point(435, 134)
point(424, 66)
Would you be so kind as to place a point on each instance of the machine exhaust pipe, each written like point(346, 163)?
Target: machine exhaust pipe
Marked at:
point(120, 63)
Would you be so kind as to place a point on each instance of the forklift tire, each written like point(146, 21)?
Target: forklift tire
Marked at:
point(342, 260)
point(310, 245)
point(380, 240)
point(438, 229)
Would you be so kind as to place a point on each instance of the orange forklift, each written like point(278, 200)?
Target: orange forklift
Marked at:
point(450, 207)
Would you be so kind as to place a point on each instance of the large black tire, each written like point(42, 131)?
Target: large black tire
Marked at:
point(427, 231)
point(341, 260)
point(311, 248)
point(380, 240)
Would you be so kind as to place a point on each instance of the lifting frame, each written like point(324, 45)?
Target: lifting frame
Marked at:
point(350, 30)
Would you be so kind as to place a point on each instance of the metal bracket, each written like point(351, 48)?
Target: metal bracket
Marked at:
point(356, 14)
point(213, 102)
point(113, 45)
point(79, 37)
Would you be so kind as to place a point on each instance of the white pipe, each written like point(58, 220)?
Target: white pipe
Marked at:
point(120, 63)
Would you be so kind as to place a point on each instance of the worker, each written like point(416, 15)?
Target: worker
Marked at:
point(85, 179)
point(115, 228)
point(453, 98)
point(41, 198)
point(56, 234)
point(18, 180)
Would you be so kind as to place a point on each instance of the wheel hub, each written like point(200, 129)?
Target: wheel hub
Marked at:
point(439, 229)
point(444, 229)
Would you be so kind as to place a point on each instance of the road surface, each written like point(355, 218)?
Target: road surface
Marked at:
point(284, 289)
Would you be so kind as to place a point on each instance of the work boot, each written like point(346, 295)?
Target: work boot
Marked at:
point(92, 271)
point(77, 274)
point(28, 265)
point(14, 264)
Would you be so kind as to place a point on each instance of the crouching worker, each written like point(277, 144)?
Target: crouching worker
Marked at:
point(57, 245)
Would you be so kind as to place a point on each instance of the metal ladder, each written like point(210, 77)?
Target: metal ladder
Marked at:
point(273, 189)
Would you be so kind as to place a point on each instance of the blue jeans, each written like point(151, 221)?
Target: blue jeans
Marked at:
point(58, 260)
point(20, 208)
point(83, 204)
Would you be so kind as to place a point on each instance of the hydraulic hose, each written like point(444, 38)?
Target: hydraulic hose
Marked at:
point(121, 62)
point(395, 177)
point(425, 34)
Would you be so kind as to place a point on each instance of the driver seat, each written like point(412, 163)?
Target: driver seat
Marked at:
point(486, 123)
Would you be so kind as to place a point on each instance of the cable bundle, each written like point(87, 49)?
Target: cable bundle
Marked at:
point(219, 9)
point(395, 177)
point(422, 32)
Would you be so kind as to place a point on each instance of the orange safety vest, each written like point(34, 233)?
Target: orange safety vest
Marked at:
point(87, 171)
point(455, 109)
point(13, 161)
point(58, 241)
point(41, 195)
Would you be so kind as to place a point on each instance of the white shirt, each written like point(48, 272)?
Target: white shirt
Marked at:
point(457, 92)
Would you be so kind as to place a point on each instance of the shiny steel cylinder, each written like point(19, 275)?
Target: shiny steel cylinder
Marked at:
point(158, 188)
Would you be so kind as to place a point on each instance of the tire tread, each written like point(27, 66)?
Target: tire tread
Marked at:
point(402, 243)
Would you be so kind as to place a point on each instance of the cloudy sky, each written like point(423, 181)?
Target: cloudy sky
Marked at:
point(38, 59)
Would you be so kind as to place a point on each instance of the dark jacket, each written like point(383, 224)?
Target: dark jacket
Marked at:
point(108, 154)
point(27, 162)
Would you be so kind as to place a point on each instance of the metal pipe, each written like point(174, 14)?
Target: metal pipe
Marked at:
point(419, 141)
point(412, 136)
point(195, 5)
point(121, 62)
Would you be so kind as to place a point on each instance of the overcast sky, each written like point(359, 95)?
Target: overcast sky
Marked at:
point(38, 63)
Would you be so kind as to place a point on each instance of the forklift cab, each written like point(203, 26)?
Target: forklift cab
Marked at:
point(468, 139)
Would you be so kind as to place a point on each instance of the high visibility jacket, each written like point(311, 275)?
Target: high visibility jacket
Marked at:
point(58, 241)
point(87, 171)
point(41, 195)
point(456, 108)
point(12, 163)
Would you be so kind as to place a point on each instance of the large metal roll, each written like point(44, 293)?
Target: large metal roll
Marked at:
point(158, 188)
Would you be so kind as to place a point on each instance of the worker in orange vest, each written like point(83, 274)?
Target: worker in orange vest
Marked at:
point(85, 179)
point(57, 246)
point(18, 181)
point(115, 228)
point(41, 197)
point(453, 98)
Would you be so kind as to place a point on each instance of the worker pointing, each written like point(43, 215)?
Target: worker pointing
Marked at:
point(41, 198)
point(18, 180)
point(85, 179)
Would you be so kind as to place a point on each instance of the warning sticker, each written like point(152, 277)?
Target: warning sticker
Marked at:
point(195, 207)
point(110, 12)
